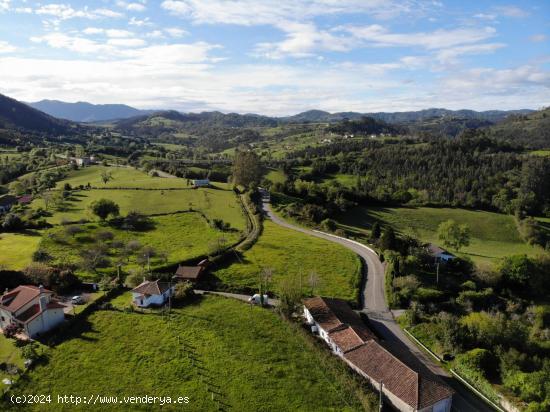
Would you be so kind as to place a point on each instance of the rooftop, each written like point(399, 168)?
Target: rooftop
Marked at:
point(150, 288)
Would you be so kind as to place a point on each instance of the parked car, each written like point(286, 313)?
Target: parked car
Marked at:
point(256, 299)
point(77, 300)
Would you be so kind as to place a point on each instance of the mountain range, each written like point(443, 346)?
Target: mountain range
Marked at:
point(87, 112)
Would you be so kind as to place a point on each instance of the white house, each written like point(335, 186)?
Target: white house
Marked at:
point(439, 254)
point(404, 386)
point(200, 182)
point(33, 309)
point(151, 293)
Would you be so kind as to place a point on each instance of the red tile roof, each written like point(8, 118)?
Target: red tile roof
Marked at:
point(418, 390)
point(189, 272)
point(149, 288)
point(351, 337)
point(332, 314)
point(361, 348)
point(20, 296)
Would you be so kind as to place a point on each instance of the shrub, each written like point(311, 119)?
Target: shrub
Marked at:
point(426, 295)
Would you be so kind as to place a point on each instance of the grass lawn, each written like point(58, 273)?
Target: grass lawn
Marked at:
point(250, 358)
point(215, 203)
point(16, 249)
point(122, 177)
point(494, 235)
point(9, 353)
point(290, 253)
point(181, 236)
point(276, 176)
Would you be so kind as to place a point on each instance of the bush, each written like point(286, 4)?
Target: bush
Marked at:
point(427, 295)
point(183, 290)
point(328, 225)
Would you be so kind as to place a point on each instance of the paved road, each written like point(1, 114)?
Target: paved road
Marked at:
point(244, 298)
point(381, 319)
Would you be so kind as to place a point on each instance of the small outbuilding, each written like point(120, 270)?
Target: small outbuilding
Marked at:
point(439, 254)
point(6, 202)
point(151, 293)
point(190, 273)
point(200, 182)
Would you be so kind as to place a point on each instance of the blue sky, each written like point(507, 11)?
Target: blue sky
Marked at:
point(278, 57)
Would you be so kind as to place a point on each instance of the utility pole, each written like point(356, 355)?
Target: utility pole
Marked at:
point(437, 273)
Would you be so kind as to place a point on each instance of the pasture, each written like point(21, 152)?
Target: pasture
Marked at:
point(293, 254)
point(220, 353)
point(174, 238)
point(494, 235)
point(17, 249)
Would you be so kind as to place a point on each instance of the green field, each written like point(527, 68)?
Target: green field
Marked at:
point(247, 356)
point(181, 236)
point(291, 253)
point(215, 203)
point(544, 153)
point(276, 176)
point(122, 177)
point(494, 235)
point(17, 249)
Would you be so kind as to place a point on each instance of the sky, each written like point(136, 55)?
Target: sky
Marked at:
point(278, 57)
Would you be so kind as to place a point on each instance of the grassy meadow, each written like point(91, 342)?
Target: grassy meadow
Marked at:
point(494, 235)
point(247, 356)
point(291, 253)
point(180, 236)
point(17, 249)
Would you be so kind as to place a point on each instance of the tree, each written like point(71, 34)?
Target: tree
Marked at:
point(388, 240)
point(247, 169)
point(376, 231)
point(73, 230)
point(517, 270)
point(183, 290)
point(106, 176)
point(290, 296)
point(103, 208)
point(12, 222)
point(328, 225)
point(453, 235)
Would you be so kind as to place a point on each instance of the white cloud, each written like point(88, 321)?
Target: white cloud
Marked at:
point(82, 45)
point(125, 42)
point(176, 32)
point(512, 11)
point(65, 12)
point(5, 47)
point(139, 23)
point(450, 55)
point(253, 12)
point(303, 40)
point(132, 6)
point(378, 36)
point(112, 33)
point(538, 38)
point(4, 5)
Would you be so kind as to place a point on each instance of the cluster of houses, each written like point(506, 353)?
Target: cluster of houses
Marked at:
point(157, 293)
point(405, 385)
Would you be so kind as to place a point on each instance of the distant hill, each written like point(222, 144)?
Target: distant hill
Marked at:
point(364, 126)
point(530, 130)
point(15, 115)
point(171, 119)
point(316, 116)
point(87, 112)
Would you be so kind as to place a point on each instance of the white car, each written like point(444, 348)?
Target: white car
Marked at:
point(256, 300)
point(77, 300)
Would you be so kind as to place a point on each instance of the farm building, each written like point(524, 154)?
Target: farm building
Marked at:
point(190, 273)
point(6, 202)
point(403, 385)
point(151, 293)
point(439, 254)
point(201, 182)
point(32, 309)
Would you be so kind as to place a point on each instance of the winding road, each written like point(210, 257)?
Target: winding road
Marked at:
point(380, 317)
